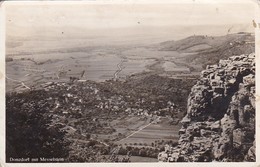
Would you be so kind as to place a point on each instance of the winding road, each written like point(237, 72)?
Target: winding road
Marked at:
point(22, 83)
point(119, 66)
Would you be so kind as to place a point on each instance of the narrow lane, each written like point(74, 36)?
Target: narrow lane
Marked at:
point(140, 129)
point(119, 67)
point(14, 80)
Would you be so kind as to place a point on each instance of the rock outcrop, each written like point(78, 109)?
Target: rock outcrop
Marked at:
point(220, 120)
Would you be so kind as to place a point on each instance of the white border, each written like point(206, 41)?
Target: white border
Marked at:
point(2, 85)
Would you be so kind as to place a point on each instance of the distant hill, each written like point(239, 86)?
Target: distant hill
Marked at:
point(209, 50)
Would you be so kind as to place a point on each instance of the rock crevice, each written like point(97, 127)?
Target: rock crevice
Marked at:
point(220, 120)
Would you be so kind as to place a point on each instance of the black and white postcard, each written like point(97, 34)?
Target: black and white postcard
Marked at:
point(129, 82)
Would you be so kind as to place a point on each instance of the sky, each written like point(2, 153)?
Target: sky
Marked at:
point(129, 18)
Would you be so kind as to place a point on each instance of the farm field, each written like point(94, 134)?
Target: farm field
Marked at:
point(142, 159)
point(116, 100)
point(154, 131)
point(96, 63)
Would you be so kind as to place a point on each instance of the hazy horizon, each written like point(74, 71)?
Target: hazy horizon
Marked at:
point(126, 22)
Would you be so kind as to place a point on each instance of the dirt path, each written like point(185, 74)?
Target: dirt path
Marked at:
point(14, 80)
point(119, 67)
point(140, 129)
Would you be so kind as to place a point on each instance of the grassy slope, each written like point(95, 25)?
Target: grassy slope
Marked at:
point(209, 50)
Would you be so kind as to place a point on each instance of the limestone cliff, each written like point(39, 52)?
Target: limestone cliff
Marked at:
point(220, 120)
